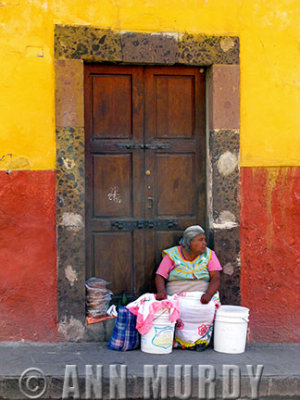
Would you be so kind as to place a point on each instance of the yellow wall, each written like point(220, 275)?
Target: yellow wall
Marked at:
point(270, 68)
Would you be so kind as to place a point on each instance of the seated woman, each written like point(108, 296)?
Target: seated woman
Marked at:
point(191, 270)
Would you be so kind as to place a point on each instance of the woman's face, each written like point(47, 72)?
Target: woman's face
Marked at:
point(198, 244)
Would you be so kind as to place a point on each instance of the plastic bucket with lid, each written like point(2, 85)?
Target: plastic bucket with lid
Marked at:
point(230, 332)
point(159, 339)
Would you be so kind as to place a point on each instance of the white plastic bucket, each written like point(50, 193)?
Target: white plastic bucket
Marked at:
point(230, 332)
point(159, 339)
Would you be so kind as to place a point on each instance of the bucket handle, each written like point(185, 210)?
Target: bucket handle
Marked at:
point(154, 319)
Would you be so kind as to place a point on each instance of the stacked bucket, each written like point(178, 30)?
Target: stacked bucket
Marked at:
point(97, 297)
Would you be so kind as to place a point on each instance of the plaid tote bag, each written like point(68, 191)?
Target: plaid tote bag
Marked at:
point(125, 335)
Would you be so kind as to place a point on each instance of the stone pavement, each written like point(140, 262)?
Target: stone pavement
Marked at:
point(280, 375)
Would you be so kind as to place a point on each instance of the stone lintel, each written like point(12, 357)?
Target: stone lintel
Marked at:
point(148, 48)
point(104, 45)
point(206, 50)
point(87, 43)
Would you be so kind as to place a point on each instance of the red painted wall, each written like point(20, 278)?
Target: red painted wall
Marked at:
point(270, 252)
point(28, 280)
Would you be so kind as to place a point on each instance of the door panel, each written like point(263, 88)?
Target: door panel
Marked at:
point(112, 106)
point(145, 168)
point(113, 258)
point(175, 188)
point(174, 106)
point(113, 186)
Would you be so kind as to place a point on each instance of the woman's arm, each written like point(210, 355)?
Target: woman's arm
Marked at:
point(213, 286)
point(162, 275)
point(160, 287)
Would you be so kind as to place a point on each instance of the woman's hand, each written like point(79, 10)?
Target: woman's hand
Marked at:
point(213, 286)
point(161, 295)
point(205, 298)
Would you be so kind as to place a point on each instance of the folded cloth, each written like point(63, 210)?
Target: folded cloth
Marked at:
point(146, 306)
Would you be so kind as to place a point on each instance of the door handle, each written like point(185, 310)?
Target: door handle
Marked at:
point(150, 202)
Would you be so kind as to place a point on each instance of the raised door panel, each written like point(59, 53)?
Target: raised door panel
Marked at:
point(114, 101)
point(175, 188)
point(171, 102)
point(174, 105)
point(112, 106)
point(113, 258)
point(112, 185)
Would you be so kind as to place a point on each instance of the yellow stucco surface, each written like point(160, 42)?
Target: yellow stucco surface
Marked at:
point(270, 68)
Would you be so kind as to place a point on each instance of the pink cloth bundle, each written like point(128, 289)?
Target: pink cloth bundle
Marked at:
point(146, 306)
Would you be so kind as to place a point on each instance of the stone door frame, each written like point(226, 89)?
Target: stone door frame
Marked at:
point(218, 57)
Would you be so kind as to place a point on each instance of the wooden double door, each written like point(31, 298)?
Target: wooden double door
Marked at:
point(145, 168)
